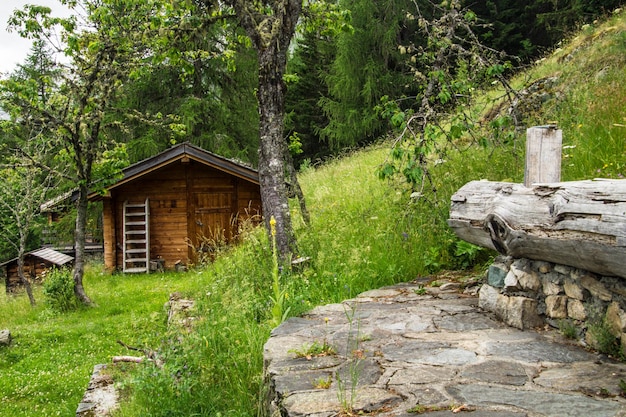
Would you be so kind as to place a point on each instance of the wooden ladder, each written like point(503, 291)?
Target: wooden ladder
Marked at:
point(136, 245)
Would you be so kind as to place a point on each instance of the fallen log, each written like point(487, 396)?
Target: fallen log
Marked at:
point(124, 358)
point(579, 223)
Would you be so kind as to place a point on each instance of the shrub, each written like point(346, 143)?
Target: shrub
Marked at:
point(58, 290)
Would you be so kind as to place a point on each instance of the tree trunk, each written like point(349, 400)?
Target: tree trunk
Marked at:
point(272, 148)
point(271, 25)
point(296, 189)
point(20, 268)
point(79, 245)
point(579, 223)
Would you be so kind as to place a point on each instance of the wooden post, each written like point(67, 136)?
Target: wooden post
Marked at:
point(108, 227)
point(543, 155)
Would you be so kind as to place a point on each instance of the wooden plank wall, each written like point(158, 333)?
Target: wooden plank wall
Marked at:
point(166, 189)
point(248, 204)
point(33, 267)
point(172, 209)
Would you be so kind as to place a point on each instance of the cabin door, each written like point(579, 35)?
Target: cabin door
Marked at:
point(213, 218)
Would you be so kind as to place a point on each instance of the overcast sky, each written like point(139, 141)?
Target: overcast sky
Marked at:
point(13, 48)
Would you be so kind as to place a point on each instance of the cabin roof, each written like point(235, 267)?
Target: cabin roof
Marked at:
point(47, 254)
point(178, 153)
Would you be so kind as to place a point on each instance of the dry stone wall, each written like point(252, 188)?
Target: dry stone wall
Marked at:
point(527, 294)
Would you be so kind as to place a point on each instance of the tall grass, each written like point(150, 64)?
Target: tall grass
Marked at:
point(590, 102)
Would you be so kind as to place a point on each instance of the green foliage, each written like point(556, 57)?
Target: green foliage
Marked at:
point(603, 338)
point(367, 66)
point(308, 68)
point(279, 311)
point(568, 329)
point(466, 254)
point(58, 290)
point(527, 29)
point(314, 349)
point(449, 69)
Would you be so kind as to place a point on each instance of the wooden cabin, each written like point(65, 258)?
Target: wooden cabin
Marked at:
point(36, 264)
point(175, 207)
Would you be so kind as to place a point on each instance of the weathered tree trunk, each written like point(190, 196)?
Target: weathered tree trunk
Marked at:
point(272, 168)
point(24, 279)
point(271, 25)
point(20, 266)
point(79, 245)
point(579, 223)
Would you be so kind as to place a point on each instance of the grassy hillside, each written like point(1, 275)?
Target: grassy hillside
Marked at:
point(365, 233)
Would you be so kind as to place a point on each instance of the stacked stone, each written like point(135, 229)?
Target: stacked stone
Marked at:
point(527, 294)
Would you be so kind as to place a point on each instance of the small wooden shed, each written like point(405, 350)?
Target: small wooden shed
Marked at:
point(36, 263)
point(169, 209)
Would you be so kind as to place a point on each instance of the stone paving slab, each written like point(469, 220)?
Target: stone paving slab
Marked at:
point(399, 351)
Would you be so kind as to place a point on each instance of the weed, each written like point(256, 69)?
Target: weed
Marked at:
point(347, 390)
point(466, 254)
point(603, 338)
point(568, 329)
point(432, 259)
point(279, 311)
point(58, 290)
point(365, 337)
point(323, 383)
point(315, 349)
point(622, 387)
point(421, 290)
point(422, 409)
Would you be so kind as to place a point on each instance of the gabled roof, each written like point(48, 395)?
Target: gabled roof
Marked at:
point(47, 254)
point(178, 153)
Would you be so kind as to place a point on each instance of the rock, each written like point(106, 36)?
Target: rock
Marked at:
point(587, 377)
point(550, 287)
point(510, 281)
point(573, 290)
point(521, 312)
point(496, 274)
point(543, 267)
point(5, 337)
point(434, 352)
point(576, 310)
point(101, 397)
point(595, 287)
point(616, 319)
point(556, 306)
point(497, 372)
point(502, 307)
point(563, 269)
point(450, 287)
point(488, 297)
point(616, 285)
point(529, 281)
point(543, 403)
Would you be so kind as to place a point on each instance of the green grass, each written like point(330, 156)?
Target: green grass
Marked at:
point(47, 367)
point(365, 234)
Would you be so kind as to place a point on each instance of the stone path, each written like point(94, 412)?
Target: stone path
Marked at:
point(400, 351)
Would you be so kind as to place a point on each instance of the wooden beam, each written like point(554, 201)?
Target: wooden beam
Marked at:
point(543, 155)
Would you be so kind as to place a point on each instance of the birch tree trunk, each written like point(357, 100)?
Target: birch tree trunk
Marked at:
point(579, 223)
